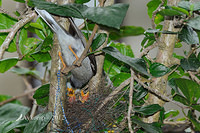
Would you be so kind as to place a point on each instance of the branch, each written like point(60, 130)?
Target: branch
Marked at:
point(17, 97)
point(194, 77)
point(154, 14)
point(130, 102)
point(146, 50)
point(157, 93)
point(17, 46)
point(6, 30)
point(6, 12)
point(12, 33)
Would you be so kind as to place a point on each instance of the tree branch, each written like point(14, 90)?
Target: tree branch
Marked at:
point(194, 77)
point(15, 28)
point(17, 97)
point(130, 102)
point(157, 93)
point(9, 14)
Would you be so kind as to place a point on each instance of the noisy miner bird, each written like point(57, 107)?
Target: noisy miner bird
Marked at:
point(72, 46)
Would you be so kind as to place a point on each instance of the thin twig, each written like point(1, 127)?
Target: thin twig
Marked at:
point(9, 14)
point(130, 102)
point(16, 27)
point(194, 77)
point(84, 54)
point(34, 108)
point(17, 97)
point(17, 45)
point(154, 14)
point(87, 47)
point(146, 50)
point(157, 93)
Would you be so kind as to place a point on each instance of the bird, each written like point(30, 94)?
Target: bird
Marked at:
point(72, 45)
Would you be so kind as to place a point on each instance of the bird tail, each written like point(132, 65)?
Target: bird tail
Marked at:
point(50, 21)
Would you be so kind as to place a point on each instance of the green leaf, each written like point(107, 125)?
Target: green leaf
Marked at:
point(181, 99)
point(170, 12)
point(194, 23)
point(6, 64)
point(117, 12)
point(42, 95)
point(191, 63)
point(45, 32)
point(12, 112)
point(41, 57)
point(38, 123)
point(8, 126)
point(21, 1)
point(0, 2)
point(119, 78)
point(148, 127)
point(126, 31)
point(45, 46)
point(158, 70)
point(137, 64)
point(36, 25)
point(189, 88)
point(7, 22)
point(152, 6)
point(140, 93)
point(196, 107)
point(30, 45)
point(26, 71)
point(173, 85)
point(195, 123)
point(81, 1)
point(27, 45)
point(98, 41)
point(188, 35)
point(112, 66)
point(196, 6)
point(177, 56)
point(158, 31)
point(6, 97)
point(180, 10)
point(148, 109)
point(178, 45)
point(171, 113)
point(123, 49)
point(187, 5)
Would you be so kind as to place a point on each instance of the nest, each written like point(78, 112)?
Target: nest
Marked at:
point(91, 116)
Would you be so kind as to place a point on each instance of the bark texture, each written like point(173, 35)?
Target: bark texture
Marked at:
point(164, 56)
point(57, 121)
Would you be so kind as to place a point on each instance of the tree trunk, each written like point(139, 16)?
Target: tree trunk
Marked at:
point(54, 105)
point(164, 56)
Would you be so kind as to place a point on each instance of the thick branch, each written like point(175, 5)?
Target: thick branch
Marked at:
point(164, 56)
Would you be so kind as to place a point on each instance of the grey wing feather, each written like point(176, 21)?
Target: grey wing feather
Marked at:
point(78, 31)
